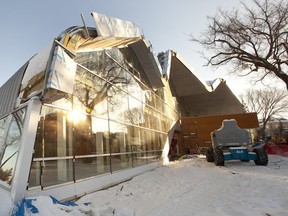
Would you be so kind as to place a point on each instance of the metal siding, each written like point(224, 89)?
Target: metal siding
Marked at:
point(9, 91)
point(149, 63)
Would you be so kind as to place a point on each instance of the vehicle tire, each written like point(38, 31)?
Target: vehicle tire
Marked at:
point(218, 157)
point(262, 157)
point(245, 160)
point(209, 154)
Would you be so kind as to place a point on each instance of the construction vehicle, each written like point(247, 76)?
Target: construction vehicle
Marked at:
point(233, 143)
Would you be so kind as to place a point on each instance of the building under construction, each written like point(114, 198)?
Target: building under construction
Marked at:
point(97, 107)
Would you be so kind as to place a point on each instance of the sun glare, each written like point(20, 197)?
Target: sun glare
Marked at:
point(76, 116)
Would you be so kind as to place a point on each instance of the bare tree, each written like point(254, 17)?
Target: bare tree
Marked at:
point(107, 77)
point(253, 40)
point(267, 103)
point(91, 89)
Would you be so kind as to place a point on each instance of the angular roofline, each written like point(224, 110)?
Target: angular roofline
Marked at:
point(147, 59)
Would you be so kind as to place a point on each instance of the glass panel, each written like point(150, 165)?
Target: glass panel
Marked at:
point(132, 64)
point(151, 156)
point(137, 146)
point(35, 174)
point(139, 158)
point(121, 161)
point(151, 143)
point(153, 119)
point(57, 171)
point(64, 134)
point(100, 133)
point(117, 103)
point(91, 166)
point(109, 103)
point(149, 98)
point(12, 144)
point(133, 139)
point(83, 139)
point(135, 115)
point(90, 93)
point(157, 121)
point(54, 134)
point(147, 117)
point(91, 60)
point(118, 142)
point(159, 104)
point(119, 147)
point(154, 144)
point(159, 148)
point(3, 129)
point(162, 140)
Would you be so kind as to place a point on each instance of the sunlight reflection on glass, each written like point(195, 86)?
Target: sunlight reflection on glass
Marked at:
point(76, 117)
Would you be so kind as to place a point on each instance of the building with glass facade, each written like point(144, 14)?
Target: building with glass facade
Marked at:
point(92, 109)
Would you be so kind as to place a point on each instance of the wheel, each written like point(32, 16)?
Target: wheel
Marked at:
point(209, 154)
point(262, 157)
point(218, 157)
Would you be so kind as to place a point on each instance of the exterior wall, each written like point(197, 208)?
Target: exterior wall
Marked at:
point(72, 190)
point(9, 92)
point(105, 125)
point(111, 122)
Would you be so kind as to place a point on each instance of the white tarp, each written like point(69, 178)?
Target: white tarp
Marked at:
point(62, 72)
point(112, 27)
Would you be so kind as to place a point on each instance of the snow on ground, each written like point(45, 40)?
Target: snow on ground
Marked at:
point(189, 187)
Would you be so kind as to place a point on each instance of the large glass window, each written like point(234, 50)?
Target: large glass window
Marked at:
point(96, 166)
point(69, 146)
point(56, 171)
point(3, 129)
point(10, 147)
point(121, 157)
point(117, 104)
point(112, 121)
point(90, 92)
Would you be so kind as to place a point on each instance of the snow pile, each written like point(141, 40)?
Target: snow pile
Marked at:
point(188, 187)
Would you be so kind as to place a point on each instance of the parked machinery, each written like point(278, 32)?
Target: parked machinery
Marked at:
point(233, 143)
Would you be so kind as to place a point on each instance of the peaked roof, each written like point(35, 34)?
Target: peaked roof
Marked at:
point(195, 96)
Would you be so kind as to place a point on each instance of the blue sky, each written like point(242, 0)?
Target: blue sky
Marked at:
point(28, 26)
